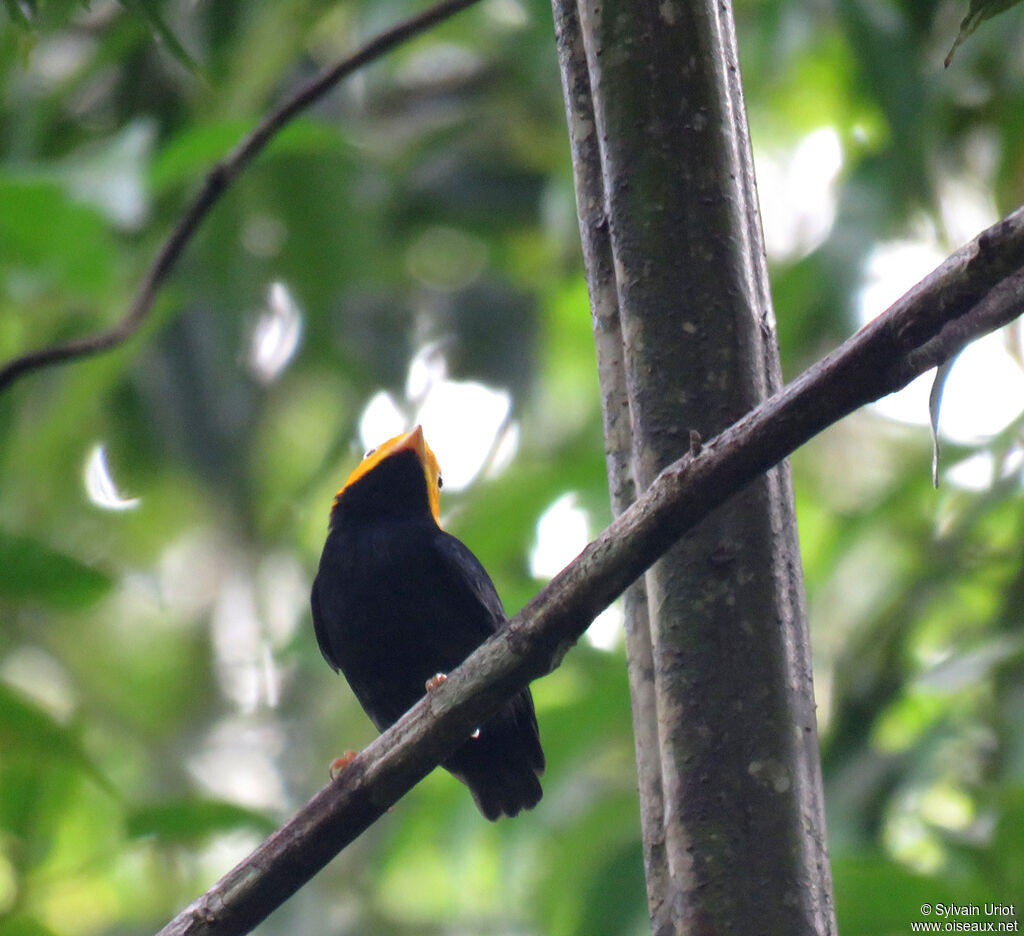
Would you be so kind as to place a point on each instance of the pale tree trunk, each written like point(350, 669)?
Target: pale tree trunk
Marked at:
point(727, 749)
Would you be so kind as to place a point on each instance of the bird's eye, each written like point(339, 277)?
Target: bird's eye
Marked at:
point(440, 483)
point(369, 452)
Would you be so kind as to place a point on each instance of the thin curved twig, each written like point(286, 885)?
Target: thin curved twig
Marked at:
point(975, 290)
point(218, 180)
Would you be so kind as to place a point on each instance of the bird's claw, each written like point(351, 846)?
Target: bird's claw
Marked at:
point(436, 680)
point(340, 763)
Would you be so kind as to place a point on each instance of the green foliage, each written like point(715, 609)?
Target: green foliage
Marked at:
point(877, 895)
point(30, 15)
point(49, 13)
point(30, 571)
point(161, 699)
point(52, 244)
point(190, 820)
point(29, 732)
point(149, 11)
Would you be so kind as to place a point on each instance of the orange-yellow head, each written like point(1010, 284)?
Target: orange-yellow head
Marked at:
point(410, 441)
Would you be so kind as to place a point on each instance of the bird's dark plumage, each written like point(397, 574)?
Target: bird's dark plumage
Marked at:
point(397, 600)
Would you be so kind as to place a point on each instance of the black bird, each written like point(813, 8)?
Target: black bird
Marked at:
point(397, 600)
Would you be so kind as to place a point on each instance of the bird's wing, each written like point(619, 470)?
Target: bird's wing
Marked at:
point(320, 625)
point(466, 580)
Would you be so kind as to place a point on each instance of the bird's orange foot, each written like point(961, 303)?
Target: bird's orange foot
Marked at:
point(340, 763)
point(436, 680)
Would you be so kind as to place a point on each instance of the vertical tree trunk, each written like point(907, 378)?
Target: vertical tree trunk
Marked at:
point(727, 751)
point(618, 434)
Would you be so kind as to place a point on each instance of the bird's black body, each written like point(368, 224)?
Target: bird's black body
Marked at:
point(397, 600)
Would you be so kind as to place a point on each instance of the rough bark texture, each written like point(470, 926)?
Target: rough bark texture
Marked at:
point(675, 261)
point(618, 433)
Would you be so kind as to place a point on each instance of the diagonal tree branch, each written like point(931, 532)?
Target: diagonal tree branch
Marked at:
point(218, 180)
point(978, 288)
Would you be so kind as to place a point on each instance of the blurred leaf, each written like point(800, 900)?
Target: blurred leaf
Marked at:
point(31, 570)
point(17, 15)
point(34, 15)
point(978, 12)
point(191, 820)
point(613, 904)
point(875, 896)
point(24, 926)
point(582, 857)
point(62, 246)
point(971, 665)
point(1006, 869)
point(149, 11)
point(26, 729)
point(197, 148)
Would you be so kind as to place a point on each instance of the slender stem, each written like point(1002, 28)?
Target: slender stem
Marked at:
point(218, 180)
